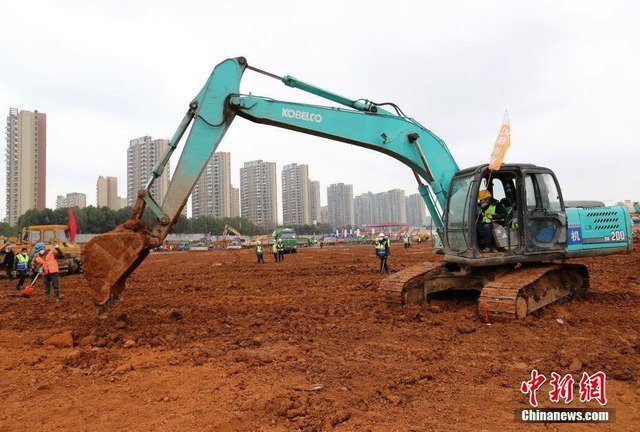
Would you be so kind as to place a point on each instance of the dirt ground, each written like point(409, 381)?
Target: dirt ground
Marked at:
point(213, 341)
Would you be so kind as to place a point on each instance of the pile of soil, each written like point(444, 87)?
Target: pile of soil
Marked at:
point(214, 341)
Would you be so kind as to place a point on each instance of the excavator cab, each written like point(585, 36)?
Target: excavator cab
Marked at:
point(536, 223)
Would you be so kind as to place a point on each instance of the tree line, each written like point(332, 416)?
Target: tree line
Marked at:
point(98, 220)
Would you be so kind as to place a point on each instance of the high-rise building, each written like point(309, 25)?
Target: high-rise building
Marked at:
point(340, 203)
point(143, 153)
point(73, 199)
point(121, 203)
point(383, 207)
point(396, 207)
point(314, 202)
point(107, 192)
point(258, 193)
point(324, 214)
point(416, 210)
point(295, 195)
point(235, 202)
point(389, 207)
point(211, 194)
point(363, 209)
point(26, 162)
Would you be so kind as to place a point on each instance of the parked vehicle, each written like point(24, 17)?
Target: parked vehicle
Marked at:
point(50, 235)
point(288, 237)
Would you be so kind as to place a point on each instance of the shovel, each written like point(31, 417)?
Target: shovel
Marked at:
point(28, 290)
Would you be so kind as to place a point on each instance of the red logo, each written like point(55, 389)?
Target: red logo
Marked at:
point(590, 387)
point(531, 387)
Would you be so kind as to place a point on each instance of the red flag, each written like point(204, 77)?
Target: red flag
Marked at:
point(73, 228)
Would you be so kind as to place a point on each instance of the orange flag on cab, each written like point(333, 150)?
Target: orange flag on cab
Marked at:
point(502, 144)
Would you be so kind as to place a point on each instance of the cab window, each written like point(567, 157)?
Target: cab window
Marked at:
point(48, 236)
point(63, 235)
point(542, 192)
point(34, 236)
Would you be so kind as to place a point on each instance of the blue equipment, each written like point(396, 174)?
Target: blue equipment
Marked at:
point(526, 271)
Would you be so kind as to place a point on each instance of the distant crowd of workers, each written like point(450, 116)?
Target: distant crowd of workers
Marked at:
point(277, 249)
point(43, 263)
point(382, 246)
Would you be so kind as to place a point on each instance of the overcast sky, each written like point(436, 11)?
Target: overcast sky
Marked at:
point(105, 72)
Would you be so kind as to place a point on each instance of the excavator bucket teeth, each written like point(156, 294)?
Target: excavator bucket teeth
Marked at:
point(110, 258)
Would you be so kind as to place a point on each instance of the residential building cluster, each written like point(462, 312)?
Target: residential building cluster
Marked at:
point(213, 194)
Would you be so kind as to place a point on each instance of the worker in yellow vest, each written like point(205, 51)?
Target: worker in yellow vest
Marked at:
point(259, 252)
point(21, 266)
point(490, 211)
point(383, 250)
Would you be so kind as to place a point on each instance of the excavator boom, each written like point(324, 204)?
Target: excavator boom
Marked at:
point(110, 258)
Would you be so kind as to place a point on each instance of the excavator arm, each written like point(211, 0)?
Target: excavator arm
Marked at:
point(232, 229)
point(110, 258)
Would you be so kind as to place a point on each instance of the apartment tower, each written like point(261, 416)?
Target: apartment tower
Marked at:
point(314, 202)
point(295, 195)
point(107, 192)
point(235, 202)
point(340, 205)
point(143, 153)
point(363, 207)
point(26, 162)
point(258, 193)
point(73, 199)
point(416, 210)
point(211, 195)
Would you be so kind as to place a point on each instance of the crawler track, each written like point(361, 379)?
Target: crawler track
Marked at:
point(408, 285)
point(527, 289)
point(506, 292)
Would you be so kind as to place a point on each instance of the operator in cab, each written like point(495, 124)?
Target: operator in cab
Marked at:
point(490, 210)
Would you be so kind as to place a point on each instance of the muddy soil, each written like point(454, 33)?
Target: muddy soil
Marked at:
point(213, 341)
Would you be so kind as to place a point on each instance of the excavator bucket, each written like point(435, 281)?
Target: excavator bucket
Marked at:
point(110, 258)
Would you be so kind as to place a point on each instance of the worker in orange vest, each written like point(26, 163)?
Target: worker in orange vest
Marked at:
point(48, 266)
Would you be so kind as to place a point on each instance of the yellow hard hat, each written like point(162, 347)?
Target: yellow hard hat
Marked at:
point(484, 194)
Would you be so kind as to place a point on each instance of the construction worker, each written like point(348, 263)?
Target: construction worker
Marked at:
point(21, 266)
point(490, 210)
point(407, 241)
point(9, 257)
point(274, 251)
point(280, 248)
point(259, 252)
point(48, 266)
point(383, 250)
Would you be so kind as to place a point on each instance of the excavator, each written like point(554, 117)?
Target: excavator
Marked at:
point(238, 242)
point(224, 242)
point(530, 269)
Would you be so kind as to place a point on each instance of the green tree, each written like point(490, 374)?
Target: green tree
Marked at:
point(8, 230)
point(30, 217)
